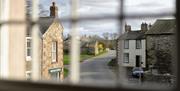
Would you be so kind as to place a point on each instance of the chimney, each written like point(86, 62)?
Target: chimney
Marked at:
point(127, 28)
point(53, 10)
point(144, 27)
point(150, 25)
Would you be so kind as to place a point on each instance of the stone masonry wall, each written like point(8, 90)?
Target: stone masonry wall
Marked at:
point(161, 52)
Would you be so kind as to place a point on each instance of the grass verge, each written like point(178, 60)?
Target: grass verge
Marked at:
point(82, 58)
point(66, 72)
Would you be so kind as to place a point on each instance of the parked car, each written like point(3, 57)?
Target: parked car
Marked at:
point(137, 72)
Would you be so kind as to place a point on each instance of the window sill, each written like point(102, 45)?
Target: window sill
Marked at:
point(28, 58)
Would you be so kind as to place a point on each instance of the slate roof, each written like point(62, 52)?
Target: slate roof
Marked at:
point(133, 35)
point(163, 26)
point(44, 23)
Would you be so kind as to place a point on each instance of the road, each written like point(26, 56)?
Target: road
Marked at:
point(95, 71)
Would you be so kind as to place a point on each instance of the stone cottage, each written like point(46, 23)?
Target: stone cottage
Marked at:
point(51, 47)
point(160, 45)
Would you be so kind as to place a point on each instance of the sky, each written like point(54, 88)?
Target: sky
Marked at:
point(110, 8)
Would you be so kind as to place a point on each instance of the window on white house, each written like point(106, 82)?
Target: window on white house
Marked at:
point(28, 48)
point(126, 44)
point(126, 58)
point(138, 44)
point(54, 51)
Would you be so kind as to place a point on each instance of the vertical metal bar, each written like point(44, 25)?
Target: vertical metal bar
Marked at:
point(35, 42)
point(4, 39)
point(75, 48)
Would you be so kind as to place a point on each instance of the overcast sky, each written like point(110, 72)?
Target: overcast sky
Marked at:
point(110, 7)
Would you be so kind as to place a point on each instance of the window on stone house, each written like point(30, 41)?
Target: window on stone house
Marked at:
point(126, 44)
point(138, 44)
point(54, 51)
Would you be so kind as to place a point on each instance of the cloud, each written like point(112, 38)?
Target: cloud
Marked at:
point(149, 6)
point(98, 7)
point(99, 27)
point(110, 7)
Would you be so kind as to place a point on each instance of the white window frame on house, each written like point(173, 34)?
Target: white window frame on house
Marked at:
point(138, 44)
point(126, 44)
point(54, 51)
point(28, 57)
point(126, 58)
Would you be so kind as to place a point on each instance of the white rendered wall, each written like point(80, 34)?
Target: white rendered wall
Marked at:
point(133, 52)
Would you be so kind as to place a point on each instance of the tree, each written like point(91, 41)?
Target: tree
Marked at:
point(106, 35)
point(42, 11)
point(114, 36)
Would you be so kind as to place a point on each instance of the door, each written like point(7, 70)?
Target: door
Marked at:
point(138, 61)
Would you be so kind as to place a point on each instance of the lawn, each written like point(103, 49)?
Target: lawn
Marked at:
point(82, 58)
point(66, 72)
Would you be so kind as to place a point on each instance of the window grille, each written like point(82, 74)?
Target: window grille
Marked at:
point(54, 51)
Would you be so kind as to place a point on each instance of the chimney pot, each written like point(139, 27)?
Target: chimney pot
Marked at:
point(53, 10)
point(127, 28)
point(144, 27)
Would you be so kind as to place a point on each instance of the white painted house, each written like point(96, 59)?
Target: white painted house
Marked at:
point(132, 45)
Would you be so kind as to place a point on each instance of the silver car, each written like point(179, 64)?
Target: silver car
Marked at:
point(137, 72)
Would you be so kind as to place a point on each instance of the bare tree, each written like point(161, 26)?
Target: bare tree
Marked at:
point(106, 36)
point(42, 11)
point(113, 36)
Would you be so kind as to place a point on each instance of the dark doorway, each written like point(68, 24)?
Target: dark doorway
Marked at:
point(138, 61)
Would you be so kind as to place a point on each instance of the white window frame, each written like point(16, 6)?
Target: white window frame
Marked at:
point(138, 44)
point(54, 51)
point(126, 44)
point(126, 58)
point(27, 75)
point(28, 58)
